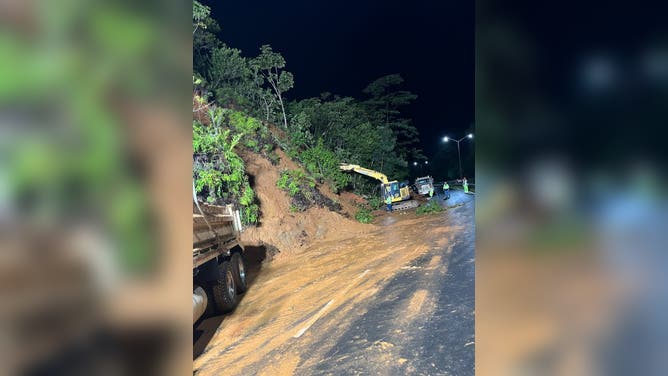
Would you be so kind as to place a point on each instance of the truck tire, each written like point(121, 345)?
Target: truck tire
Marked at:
point(224, 291)
point(239, 272)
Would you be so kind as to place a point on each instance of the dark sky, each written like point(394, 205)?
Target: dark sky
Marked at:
point(341, 46)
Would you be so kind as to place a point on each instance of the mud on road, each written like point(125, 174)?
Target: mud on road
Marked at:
point(398, 299)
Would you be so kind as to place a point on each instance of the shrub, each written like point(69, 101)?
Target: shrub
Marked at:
point(322, 162)
point(364, 215)
point(218, 170)
point(245, 125)
point(294, 182)
point(376, 202)
point(430, 207)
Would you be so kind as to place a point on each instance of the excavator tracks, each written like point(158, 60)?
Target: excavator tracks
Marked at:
point(405, 205)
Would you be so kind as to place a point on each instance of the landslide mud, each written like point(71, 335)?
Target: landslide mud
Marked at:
point(288, 231)
point(319, 290)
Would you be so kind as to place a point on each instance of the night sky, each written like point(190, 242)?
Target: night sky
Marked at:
point(341, 46)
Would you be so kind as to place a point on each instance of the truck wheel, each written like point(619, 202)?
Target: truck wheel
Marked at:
point(224, 291)
point(239, 272)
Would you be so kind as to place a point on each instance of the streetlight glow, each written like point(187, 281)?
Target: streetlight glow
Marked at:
point(459, 157)
point(426, 162)
point(414, 163)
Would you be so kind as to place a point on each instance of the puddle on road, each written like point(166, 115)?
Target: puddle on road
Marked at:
point(322, 288)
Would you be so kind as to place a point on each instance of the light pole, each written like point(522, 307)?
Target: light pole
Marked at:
point(446, 139)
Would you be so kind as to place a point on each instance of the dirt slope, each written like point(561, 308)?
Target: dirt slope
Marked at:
point(286, 231)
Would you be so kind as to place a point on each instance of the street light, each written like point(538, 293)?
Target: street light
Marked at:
point(414, 163)
point(446, 139)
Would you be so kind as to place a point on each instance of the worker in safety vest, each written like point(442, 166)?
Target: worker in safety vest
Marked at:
point(465, 184)
point(446, 190)
point(388, 202)
point(431, 191)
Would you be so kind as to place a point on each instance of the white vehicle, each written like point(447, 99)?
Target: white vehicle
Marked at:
point(424, 184)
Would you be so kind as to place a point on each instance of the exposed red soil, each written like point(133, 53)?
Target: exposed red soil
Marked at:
point(287, 231)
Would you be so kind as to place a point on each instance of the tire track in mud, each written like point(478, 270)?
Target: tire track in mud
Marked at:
point(259, 335)
point(420, 324)
point(374, 342)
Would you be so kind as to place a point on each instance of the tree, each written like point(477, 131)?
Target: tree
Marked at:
point(200, 14)
point(270, 64)
point(229, 75)
point(383, 107)
point(204, 37)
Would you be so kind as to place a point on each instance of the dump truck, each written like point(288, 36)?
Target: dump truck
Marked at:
point(399, 192)
point(424, 184)
point(219, 270)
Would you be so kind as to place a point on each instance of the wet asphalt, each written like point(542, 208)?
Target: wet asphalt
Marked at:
point(380, 341)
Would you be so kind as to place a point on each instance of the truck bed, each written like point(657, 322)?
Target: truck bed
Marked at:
point(212, 238)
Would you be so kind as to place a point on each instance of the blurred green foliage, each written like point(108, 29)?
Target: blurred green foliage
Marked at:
point(67, 68)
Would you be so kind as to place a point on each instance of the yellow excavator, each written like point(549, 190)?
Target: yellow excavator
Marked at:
point(400, 193)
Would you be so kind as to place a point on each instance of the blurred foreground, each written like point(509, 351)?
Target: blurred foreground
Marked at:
point(95, 150)
point(571, 207)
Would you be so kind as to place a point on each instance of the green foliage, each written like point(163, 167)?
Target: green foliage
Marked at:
point(384, 104)
point(251, 214)
point(270, 66)
point(230, 76)
point(323, 163)
point(218, 170)
point(299, 131)
point(204, 38)
point(244, 124)
point(319, 132)
point(294, 182)
point(375, 202)
point(347, 131)
point(432, 206)
point(273, 158)
point(364, 215)
point(200, 14)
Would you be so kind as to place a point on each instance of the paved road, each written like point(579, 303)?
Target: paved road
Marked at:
point(396, 301)
point(441, 340)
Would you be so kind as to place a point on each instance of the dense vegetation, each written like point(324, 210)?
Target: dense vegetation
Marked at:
point(218, 170)
point(319, 132)
point(302, 190)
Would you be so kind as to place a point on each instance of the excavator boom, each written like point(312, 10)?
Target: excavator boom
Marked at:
point(365, 171)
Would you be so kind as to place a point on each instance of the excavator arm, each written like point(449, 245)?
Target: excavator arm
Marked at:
point(400, 194)
point(365, 171)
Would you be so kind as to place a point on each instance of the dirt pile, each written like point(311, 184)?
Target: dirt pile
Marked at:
point(282, 228)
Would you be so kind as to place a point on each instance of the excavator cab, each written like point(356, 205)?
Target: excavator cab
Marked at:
point(396, 191)
point(391, 189)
